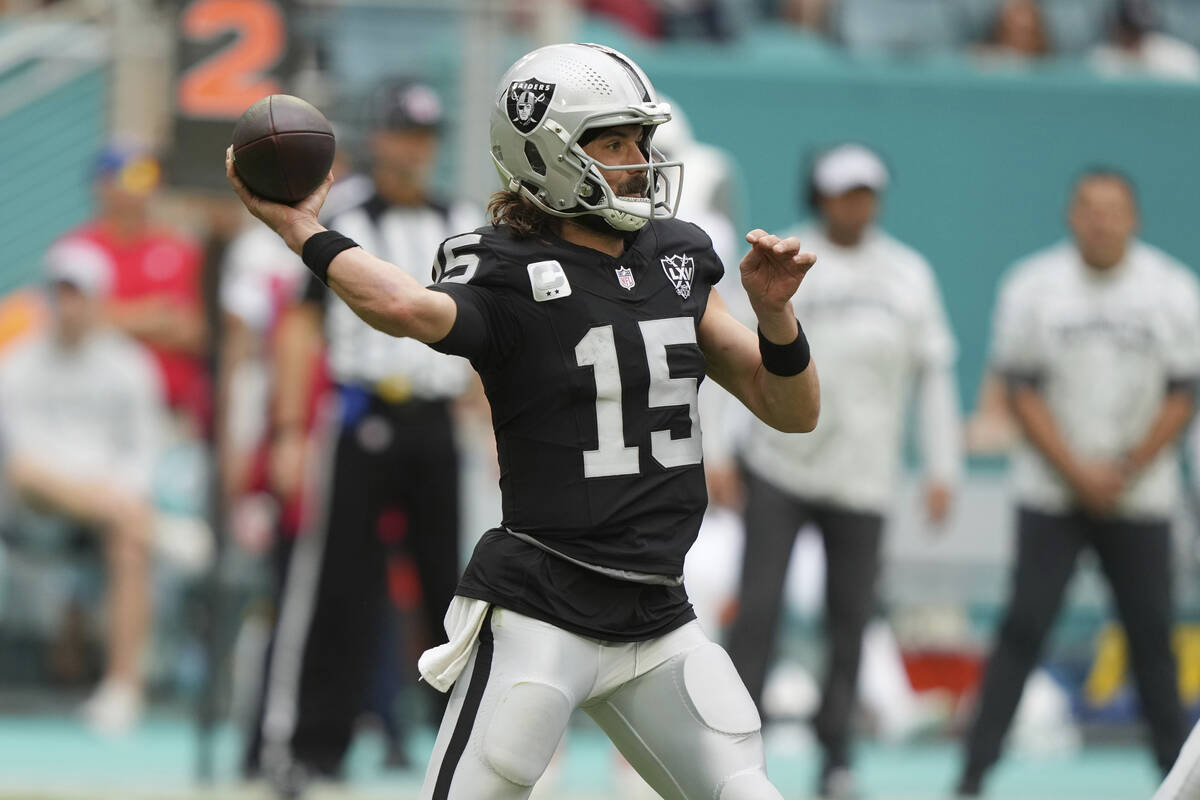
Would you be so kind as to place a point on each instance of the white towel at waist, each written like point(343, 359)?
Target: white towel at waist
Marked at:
point(442, 665)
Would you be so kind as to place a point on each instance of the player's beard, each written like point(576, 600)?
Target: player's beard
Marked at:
point(638, 187)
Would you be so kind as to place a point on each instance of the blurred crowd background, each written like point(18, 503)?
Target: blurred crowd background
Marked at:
point(161, 424)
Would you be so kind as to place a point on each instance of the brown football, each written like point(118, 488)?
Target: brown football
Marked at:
point(282, 148)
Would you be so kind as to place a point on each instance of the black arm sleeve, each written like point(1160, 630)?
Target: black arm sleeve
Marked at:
point(1181, 384)
point(485, 329)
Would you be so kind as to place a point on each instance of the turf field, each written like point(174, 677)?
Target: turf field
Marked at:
point(54, 758)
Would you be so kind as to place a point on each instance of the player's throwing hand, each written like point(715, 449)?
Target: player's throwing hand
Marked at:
point(773, 269)
point(281, 218)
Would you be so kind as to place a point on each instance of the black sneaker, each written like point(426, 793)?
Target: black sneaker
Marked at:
point(397, 757)
point(969, 786)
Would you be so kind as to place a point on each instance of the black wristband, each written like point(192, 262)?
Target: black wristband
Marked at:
point(319, 250)
point(785, 360)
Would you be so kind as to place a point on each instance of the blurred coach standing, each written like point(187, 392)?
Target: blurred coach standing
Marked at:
point(1099, 343)
point(873, 305)
point(393, 448)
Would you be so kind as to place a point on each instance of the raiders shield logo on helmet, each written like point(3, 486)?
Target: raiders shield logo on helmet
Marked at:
point(527, 103)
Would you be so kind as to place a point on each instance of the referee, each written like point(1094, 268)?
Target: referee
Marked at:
point(388, 445)
point(1099, 343)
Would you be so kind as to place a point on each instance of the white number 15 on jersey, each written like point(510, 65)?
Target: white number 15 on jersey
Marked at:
point(598, 349)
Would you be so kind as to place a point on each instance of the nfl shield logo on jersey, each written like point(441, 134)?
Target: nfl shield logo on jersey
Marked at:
point(625, 277)
point(680, 270)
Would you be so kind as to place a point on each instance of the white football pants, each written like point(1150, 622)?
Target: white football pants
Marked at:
point(674, 706)
point(1183, 781)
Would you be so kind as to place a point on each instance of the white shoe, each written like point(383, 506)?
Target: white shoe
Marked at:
point(186, 543)
point(113, 709)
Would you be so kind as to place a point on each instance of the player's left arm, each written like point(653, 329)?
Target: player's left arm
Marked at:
point(1173, 417)
point(1182, 354)
point(771, 272)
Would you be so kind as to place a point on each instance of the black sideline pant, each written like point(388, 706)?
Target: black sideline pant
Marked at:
point(1136, 560)
point(334, 591)
point(852, 555)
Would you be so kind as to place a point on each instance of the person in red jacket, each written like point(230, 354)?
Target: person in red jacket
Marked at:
point(156, 293)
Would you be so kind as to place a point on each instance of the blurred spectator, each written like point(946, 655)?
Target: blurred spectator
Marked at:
point(642, 17)
point(387, 486)
point(711, 194)
point(874, 311)
point(812, 15)
point(1018, 32)
point(80, 414)
point(668, 19)
point(1135, 48)
point(155, 295)
point(899, 26)
point(1099, 343)
point(696, 19)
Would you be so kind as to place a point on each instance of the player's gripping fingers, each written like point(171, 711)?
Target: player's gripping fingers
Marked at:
point(312, 204)
point(255, 204)
point(231, 174)
point(753, 236)
point(788, 246)
point(804, 261)
point(766, 244)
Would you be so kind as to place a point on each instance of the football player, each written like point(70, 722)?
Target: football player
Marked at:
point(589, 314)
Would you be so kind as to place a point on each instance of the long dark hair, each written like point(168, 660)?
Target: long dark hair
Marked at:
point(526, 220)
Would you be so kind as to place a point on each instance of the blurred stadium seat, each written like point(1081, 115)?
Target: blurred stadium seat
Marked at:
point(899, 26)
point(1076, 25)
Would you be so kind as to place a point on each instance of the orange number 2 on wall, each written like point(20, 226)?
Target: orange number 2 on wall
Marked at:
point(228, 81)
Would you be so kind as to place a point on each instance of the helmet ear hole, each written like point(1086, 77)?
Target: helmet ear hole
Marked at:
point(535, 158)
point(590, 189)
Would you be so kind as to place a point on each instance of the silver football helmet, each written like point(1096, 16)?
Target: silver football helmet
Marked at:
point(551, 98)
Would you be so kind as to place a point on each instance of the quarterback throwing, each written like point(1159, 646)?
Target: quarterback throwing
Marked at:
point(589, 313)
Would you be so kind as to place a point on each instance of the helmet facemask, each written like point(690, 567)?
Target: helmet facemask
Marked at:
point(591, 191)
point(658, 199)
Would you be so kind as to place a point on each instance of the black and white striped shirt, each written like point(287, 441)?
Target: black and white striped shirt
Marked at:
point(408, 237)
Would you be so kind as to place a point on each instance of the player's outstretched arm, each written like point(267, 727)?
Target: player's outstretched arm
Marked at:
point(384, 295)
point(771, 272)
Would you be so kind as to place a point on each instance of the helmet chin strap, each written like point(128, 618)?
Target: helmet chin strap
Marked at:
point(595, 221)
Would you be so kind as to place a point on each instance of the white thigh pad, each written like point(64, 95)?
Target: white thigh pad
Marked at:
point(716, 692)
point(525, 730)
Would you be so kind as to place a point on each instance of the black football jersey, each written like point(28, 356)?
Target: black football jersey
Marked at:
point(591, 366)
